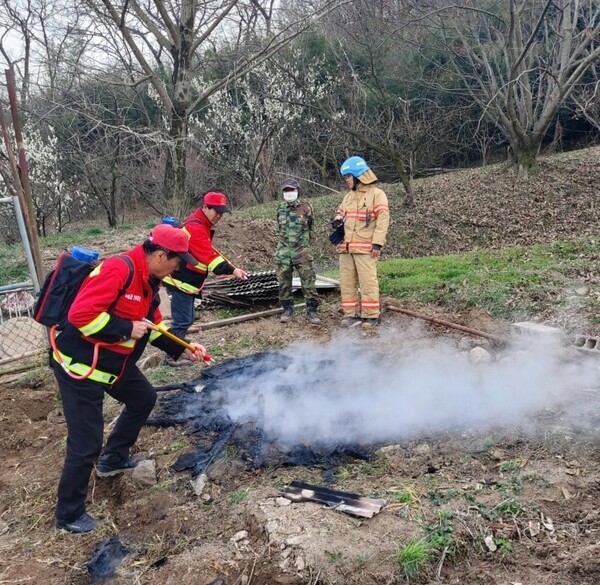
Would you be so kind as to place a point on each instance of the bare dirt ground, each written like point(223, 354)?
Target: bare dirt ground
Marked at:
point(495, 465)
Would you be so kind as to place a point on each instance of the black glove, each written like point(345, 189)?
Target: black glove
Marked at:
point(336, 223)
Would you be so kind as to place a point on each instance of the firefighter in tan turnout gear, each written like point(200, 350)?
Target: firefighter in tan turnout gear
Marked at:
point(365, 215)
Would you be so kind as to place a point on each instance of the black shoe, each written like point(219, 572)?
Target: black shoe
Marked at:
point(369, 323)
point(312, 317)
point(288, 312)
point(350, 321)
point(85, 523)
point(112, 464)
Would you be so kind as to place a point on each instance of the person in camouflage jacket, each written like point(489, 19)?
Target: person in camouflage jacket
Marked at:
point(294, 228)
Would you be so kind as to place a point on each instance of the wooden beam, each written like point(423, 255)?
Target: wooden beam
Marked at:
point(240, 319)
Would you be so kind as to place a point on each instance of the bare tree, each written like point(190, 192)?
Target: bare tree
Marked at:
point(174, 39)
point(520, 60)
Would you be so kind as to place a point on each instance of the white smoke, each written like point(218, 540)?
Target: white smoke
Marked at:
point(352, 390)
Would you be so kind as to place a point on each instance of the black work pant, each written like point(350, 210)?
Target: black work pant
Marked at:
point(82, 404)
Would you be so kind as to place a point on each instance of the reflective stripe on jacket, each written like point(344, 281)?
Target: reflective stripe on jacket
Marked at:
point(190, 279)
point(89, 320)
point(366, 219)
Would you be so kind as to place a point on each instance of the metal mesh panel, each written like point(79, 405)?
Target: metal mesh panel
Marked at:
point(20, 335)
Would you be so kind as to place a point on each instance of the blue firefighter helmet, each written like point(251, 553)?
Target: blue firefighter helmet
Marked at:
point(355, 166)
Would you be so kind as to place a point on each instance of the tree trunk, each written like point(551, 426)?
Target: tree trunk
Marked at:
point(409, 200)
point(524, 154)
point(175, 171)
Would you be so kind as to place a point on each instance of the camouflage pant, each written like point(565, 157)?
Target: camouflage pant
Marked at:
point(307, 276)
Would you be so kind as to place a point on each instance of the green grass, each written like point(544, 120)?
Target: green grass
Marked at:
point(510, 465)
point(13, 267)
point(239, 496)
point(501, 281)
point(504, 545)
point(413, 557)
point(441, 535)
point(401, 496)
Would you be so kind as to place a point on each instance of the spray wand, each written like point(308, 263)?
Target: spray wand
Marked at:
point(206, 357)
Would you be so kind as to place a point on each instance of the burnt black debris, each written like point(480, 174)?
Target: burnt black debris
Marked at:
point(197, 461)
point(201, 407)
point(107, 556)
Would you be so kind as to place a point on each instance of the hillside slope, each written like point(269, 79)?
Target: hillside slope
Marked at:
point(489, 207)
point(485, 207)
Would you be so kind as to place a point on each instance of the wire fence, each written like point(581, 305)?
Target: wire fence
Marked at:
point(20, 335)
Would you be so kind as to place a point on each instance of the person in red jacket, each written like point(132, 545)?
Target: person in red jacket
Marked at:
point(96, 353)
point(185, 284)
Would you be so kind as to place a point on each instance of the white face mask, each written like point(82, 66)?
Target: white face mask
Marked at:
point(290, 196)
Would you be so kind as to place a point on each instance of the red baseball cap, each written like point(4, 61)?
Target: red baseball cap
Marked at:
point(217, 201)
point(173, 239)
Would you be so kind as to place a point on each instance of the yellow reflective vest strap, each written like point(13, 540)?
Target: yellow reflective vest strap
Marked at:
point(218, 260)
point(96, 324)
point(83, 369)
point(154, 335)
point(185, 287)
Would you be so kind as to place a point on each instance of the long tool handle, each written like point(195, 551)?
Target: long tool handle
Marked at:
point(207, 358)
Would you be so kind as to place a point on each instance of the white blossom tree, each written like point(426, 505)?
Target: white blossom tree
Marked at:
point(56, 202)
point(171, 41)
point(247, 126)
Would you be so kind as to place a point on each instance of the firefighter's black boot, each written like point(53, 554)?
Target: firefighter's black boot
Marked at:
point(311, 312)
point(288, 311)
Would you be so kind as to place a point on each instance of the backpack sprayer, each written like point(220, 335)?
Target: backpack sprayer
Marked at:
point(206, 357)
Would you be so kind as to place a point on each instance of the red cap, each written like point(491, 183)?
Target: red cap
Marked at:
point(217, 201)
point(174, 240)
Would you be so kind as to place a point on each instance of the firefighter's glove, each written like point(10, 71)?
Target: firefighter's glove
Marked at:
point(375, 250)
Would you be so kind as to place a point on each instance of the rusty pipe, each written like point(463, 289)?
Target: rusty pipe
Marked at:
point(449, 324)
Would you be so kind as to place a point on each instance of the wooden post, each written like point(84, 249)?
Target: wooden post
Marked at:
point(24, 192)
point(450, 325)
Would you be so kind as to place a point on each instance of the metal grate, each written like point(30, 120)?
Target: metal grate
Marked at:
point(20, 335)
point(260, 287)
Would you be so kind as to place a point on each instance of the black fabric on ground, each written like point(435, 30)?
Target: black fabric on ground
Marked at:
point(107, 556)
